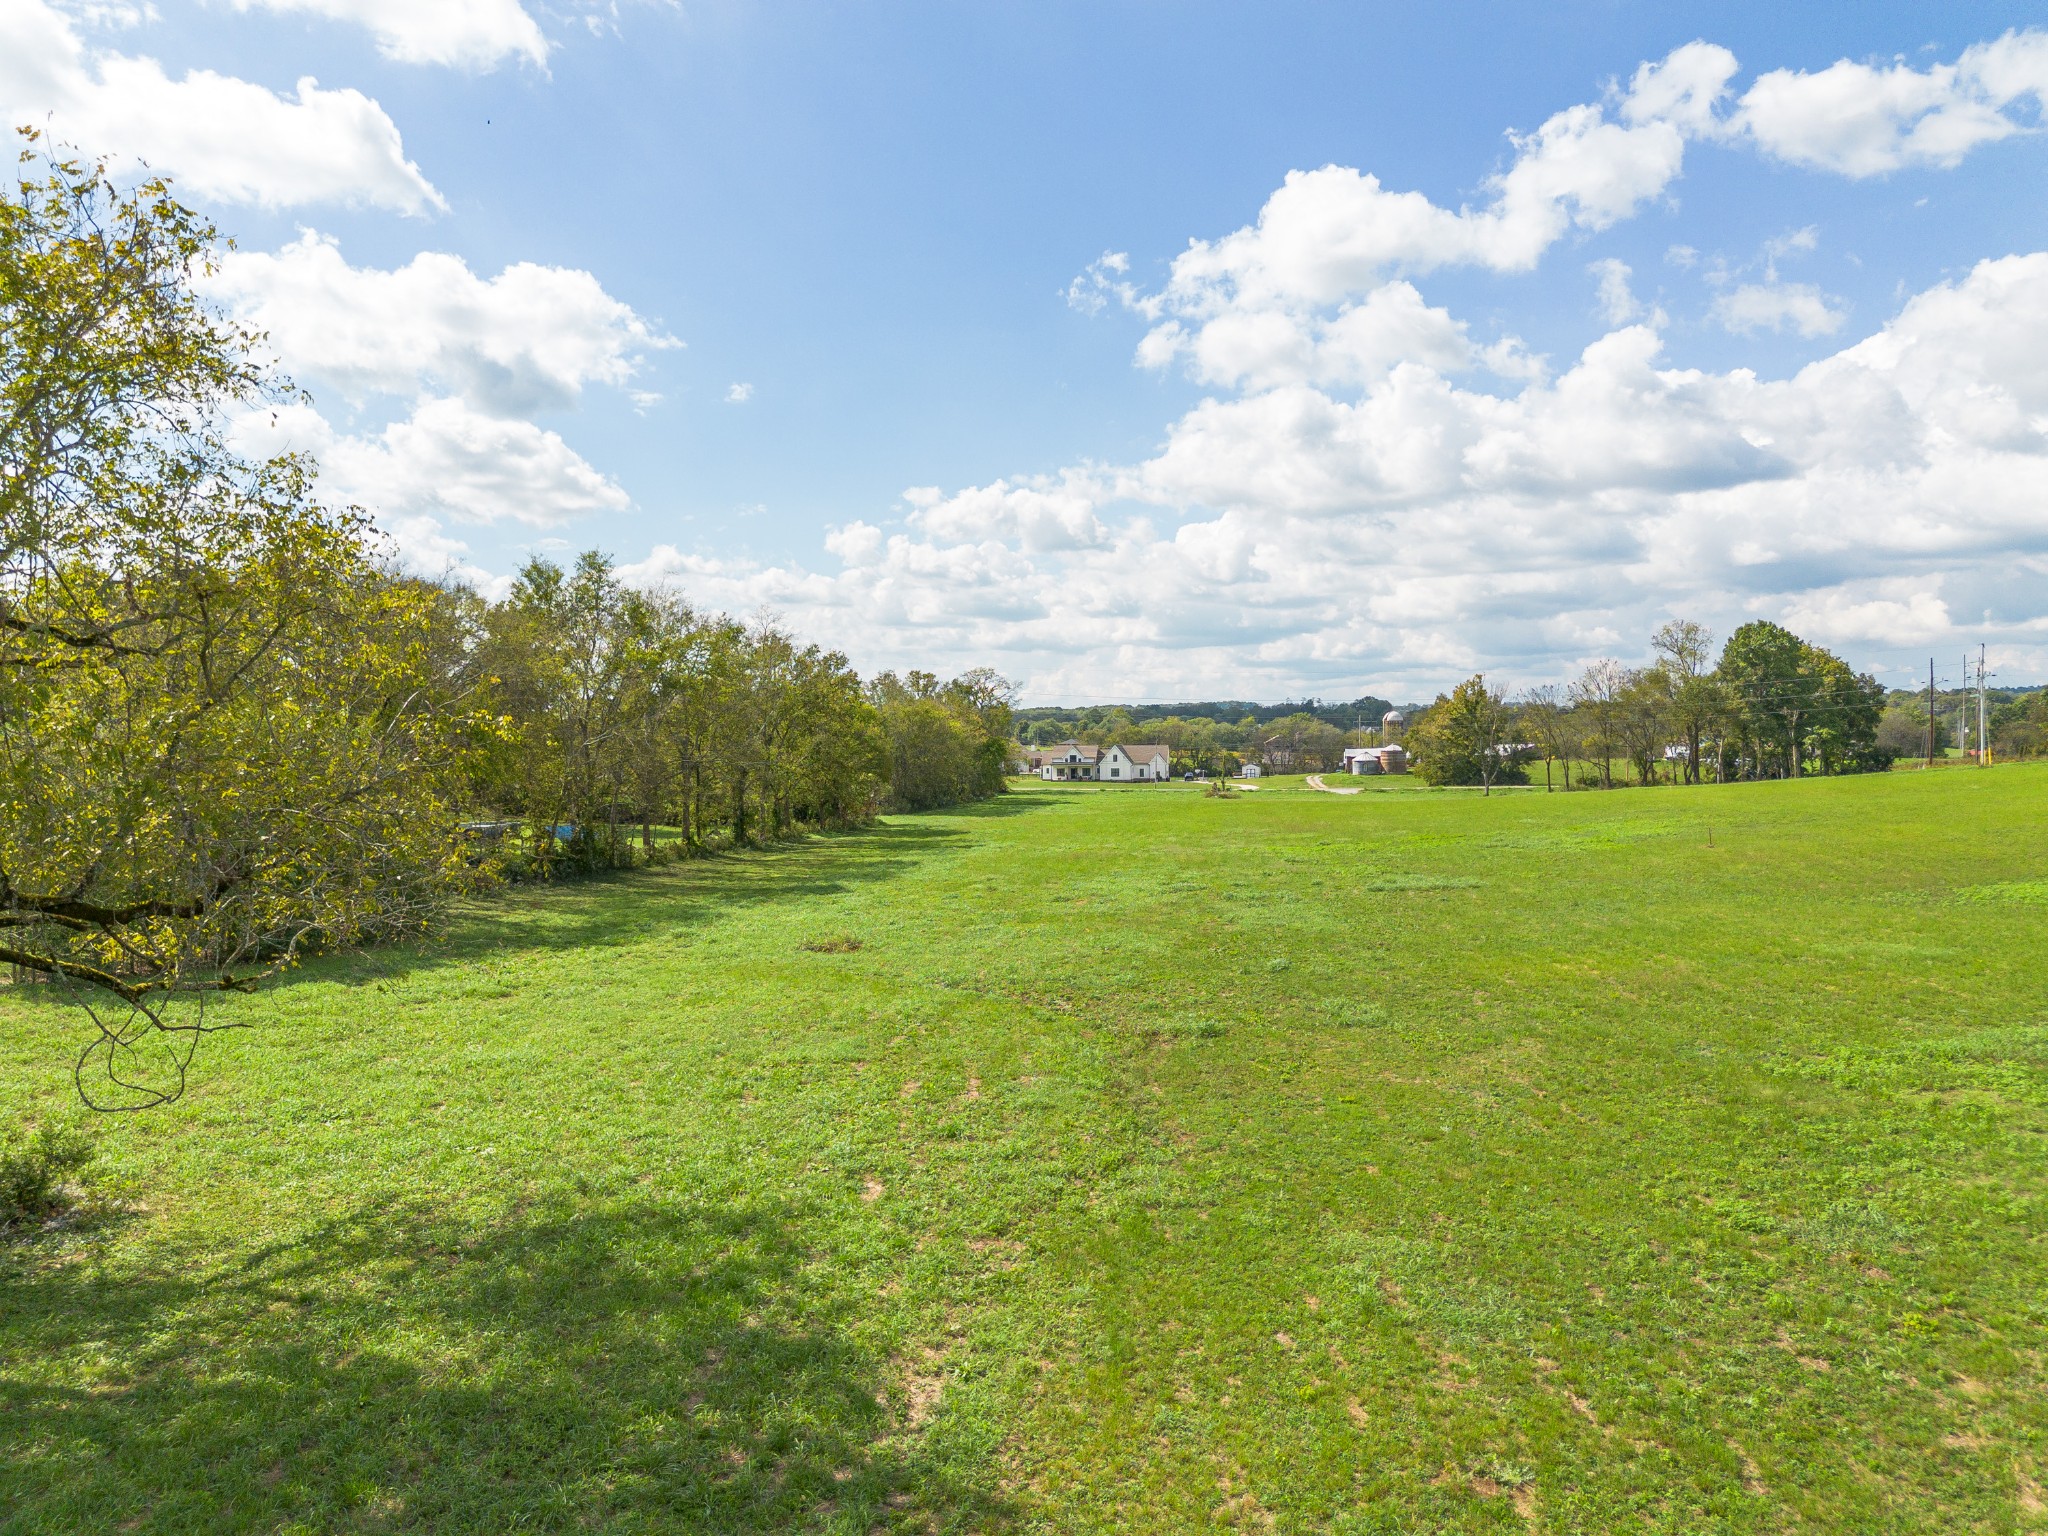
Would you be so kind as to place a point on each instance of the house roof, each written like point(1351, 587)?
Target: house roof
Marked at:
point(1145, 754)
point(1086, 753)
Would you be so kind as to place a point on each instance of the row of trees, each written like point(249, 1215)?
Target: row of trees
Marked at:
point(231, 731)
point(1298, 742)
point(2019, 724)
point(2018, 721)
point(624, 712)
point(1771, 706)
point(1222, 725)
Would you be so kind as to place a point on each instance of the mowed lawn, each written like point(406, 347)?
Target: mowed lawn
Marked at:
point(1664, 1160)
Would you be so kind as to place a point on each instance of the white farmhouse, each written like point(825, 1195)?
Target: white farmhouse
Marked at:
point(1069, 760)
point(1133, 765)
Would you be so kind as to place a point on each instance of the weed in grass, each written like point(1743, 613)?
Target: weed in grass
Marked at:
point(2031, 893)
point(1504, 1473)
point(1852, 1224)
point(1418, 882)
point(1358, 1015)
point(841, 944)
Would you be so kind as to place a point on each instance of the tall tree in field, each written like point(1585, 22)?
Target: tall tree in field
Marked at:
point(946, 741)
point(1696, 700)
point(1469, 736)
point(1547, 715)
point(555, 647)
point(1643, 723)
point(1772, 687)
point(1596, 696)
point(1847, 709)
point(1797, 700)
point(224, 731)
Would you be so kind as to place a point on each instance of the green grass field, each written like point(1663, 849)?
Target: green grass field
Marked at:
point(1665, 1160)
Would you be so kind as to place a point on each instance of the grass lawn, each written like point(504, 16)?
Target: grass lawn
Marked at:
point(1665, 1160)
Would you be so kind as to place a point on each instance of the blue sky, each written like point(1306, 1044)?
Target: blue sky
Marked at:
point(789, 307)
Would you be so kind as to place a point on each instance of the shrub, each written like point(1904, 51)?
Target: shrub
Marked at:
point(34, 1170)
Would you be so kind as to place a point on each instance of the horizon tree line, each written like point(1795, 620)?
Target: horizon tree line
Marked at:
point(1771, 706)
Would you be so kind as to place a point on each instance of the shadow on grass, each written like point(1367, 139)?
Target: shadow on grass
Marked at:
point(620, 908)
point(631, 1367)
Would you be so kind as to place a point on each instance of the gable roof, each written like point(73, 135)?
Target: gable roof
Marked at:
point(1144, 754)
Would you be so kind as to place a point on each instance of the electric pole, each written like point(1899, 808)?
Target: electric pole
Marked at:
point(1963, 711)
point(1983, 713)
point(1930, 711)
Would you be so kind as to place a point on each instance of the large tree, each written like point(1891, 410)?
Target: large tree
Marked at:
point(1548, 715)
point(1766, 669)
point(226, 731)
point(1597, 696)
point(1794, 700)
point(1469, 736)
point(1696, 701)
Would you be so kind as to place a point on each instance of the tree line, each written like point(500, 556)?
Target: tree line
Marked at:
point(233, 731)
point(634, 726)
point(1293, 742)
point(1770, 706)
point(1221, 725)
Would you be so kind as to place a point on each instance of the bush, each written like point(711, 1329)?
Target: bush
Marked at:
point(34, 1170)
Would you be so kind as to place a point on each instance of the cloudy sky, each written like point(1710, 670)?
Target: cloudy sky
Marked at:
point(1147, 350)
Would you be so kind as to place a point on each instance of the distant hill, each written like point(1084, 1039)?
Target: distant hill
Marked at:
point(1359, 712)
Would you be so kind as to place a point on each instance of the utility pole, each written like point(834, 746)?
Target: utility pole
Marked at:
point(1930, 711)
point(1983, 713)
point(1963, 710)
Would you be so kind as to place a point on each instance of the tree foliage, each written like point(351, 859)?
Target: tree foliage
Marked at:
point(626, 710)
point(223, 734)
point(1772, 705)
point(947, 741)
point(1469, 736)
point(1793, 704)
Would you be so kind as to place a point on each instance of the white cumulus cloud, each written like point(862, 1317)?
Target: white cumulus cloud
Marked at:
point(223, 139)
point(470, 34)
point(446, 461)
point(1284, 299)
point(530, 338)
point(1617, 300)
point(1861, 119)
point(1776, 306)
point(1290, 538)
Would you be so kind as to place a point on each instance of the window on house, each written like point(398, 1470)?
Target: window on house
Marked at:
point(1115, 773)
